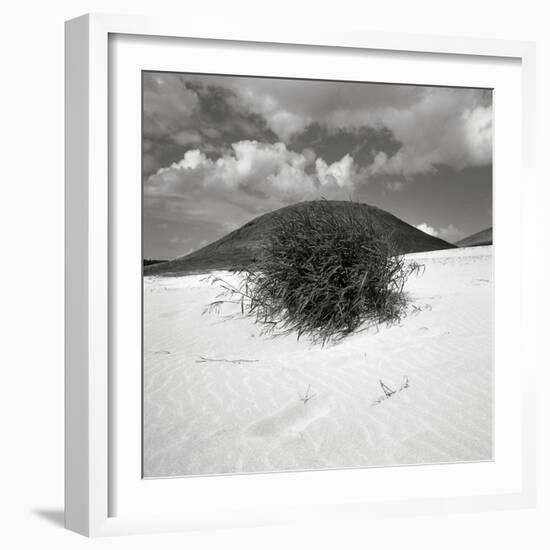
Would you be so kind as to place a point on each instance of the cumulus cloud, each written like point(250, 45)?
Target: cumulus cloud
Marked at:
point(285, 123)
point(394, 185)
point(435, 125)
point(448, 233)
point(187, 137)
point(168, 105)
point(252, 178)
point(447, 127)
point(185, 111)
point(328, 102)
point(432, 125)
point(427, 229)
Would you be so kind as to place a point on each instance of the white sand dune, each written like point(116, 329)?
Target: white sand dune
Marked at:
point(244, 407)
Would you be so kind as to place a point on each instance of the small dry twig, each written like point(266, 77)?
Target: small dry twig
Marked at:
point(306, 397)
point(236, 361)
point(388, 392)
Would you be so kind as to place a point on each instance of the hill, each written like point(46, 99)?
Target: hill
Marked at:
point(242, 246)
point(481, 238)
point(148, 261)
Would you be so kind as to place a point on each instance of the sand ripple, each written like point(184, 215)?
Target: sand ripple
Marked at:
point(226, 417)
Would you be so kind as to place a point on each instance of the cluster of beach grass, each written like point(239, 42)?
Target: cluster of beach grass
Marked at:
point(325, 274)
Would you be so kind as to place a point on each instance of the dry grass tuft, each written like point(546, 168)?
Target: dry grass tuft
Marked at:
point(324, 275)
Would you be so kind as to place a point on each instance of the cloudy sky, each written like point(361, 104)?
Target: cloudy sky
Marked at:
point(221, 150)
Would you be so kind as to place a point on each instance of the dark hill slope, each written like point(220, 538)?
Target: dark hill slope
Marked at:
point(482, 238)
point(242, 246)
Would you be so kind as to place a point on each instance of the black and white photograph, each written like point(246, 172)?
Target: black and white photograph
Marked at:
point(317, 274)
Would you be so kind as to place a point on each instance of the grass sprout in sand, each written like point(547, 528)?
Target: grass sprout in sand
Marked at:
point(324, 275)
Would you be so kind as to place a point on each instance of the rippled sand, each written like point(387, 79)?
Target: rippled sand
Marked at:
point(220, 416)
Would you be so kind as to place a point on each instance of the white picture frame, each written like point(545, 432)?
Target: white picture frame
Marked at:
point(92, 472)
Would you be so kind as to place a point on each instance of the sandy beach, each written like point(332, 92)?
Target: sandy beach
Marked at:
point(220, 397)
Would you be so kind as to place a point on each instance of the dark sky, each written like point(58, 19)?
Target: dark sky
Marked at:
point(221, 150)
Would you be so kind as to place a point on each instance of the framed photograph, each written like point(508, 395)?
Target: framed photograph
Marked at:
point(298, 275)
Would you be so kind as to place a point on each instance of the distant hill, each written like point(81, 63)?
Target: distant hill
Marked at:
point(147, 262)
point(482, 238)
point(243, 246)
